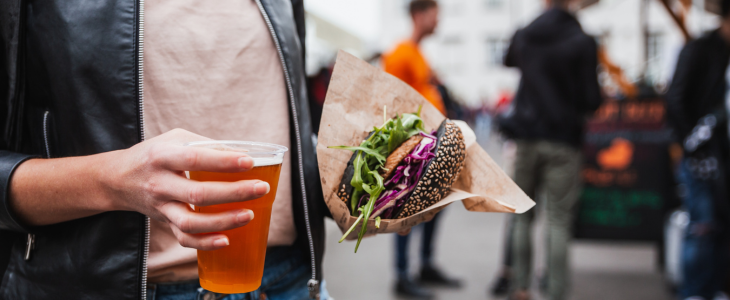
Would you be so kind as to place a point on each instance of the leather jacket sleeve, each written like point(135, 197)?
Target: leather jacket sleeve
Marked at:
point(10, 85)
point(9, 161)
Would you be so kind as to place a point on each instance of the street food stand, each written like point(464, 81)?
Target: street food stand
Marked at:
point(629, 187)
point(628, 174)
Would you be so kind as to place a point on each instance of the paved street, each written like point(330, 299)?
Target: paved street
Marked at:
point(469, 246)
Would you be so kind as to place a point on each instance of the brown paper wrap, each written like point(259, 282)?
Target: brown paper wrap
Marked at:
point(354, 105)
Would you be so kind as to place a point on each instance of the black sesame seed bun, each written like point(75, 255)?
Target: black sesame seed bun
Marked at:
point(435, 182)
point(440, 173)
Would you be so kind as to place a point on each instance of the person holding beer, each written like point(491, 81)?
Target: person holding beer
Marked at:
point(95, 202)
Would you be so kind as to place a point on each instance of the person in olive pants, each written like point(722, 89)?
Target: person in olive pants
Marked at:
point(558, 90)
point(553, 169)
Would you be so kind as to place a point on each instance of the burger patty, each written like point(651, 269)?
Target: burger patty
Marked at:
point(399, 154)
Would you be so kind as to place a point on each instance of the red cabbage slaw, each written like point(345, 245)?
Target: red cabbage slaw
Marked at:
point(405, 177)
point(369, 159)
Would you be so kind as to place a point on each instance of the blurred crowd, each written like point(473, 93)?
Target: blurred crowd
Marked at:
point(548, 123)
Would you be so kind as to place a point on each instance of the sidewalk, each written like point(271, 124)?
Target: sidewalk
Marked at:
point(469, 246)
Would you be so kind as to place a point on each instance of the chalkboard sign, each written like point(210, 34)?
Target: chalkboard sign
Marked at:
point(628, 178)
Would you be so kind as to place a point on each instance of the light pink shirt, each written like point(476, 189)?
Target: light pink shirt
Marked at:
point(211, 67)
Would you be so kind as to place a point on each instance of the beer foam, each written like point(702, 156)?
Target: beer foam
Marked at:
point(263, 154)
point(267, 161)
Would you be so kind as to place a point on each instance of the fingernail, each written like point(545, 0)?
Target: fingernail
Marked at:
point(261, 188)
point(221, 242)
point(244, 216)
point(245, 162)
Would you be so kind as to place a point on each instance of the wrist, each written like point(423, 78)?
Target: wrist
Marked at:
point(106, 175)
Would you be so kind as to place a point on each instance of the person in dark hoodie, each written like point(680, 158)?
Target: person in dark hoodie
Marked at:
point(697, 101)
point(558, 89)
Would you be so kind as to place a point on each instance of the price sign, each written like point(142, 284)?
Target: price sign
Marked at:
point(627, 174)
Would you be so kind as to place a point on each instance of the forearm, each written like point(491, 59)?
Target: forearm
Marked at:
point(49, 191)
point(148, 178)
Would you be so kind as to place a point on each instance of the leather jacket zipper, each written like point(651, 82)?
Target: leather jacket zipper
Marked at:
point(140, 82)
point(45, 134)
point(29, 245)
point(30, 242)
point(313, 284)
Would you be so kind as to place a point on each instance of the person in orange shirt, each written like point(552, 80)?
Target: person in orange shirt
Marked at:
point(408, 64)
point(406, 61)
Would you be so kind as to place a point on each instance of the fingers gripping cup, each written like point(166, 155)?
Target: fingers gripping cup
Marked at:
point(239, 267)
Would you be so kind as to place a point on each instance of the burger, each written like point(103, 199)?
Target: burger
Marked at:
point(400, 170)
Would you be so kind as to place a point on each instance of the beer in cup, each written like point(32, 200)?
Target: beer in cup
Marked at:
point(239, 267)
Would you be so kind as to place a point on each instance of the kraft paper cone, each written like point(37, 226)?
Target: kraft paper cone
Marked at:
point(354, 105)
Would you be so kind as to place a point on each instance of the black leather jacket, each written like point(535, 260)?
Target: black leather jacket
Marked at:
point(71, 84)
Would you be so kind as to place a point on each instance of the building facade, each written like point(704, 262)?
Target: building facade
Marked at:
point(466, 51)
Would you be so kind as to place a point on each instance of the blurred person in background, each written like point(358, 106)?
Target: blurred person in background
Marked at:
point(408, 64)
point(501, 284)
point(317, 86)
point(697, 108)
point(453, 109)
point(558, 89)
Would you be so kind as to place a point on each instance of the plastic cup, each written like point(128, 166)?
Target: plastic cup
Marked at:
point(239, 267)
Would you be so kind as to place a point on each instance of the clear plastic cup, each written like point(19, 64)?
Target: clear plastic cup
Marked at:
point(239, 267)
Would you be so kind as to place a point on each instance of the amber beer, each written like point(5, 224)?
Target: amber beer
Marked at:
point(239, 267)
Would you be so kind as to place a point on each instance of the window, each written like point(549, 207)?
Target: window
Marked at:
point(496, 49)
point(655, 47)
point(654, 42)
point(451, 54)
point(453, 8)
point(494, 4)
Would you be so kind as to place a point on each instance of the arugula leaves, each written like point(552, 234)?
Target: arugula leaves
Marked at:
point(368, 151)
point(370, 159)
